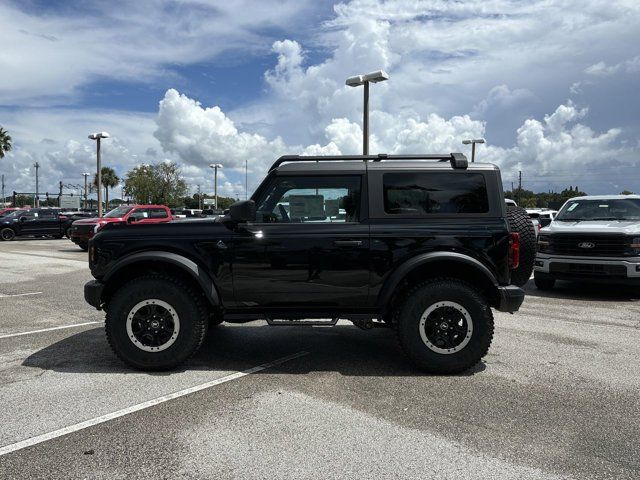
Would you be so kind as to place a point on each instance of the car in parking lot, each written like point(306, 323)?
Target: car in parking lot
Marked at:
point(594, 239)
point(5, 211)
point(32, 222)
point(83, 230)
point(425, 247)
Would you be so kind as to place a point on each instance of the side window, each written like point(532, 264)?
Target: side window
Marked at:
point(157, 213)
point(140, 214)
point(434, 193)
point(310, 199)
point(47, 214)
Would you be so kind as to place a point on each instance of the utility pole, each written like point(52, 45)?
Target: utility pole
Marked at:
point(36, 201)
point(60, 194)
point(97, 137)
point(199, 198)
point(215, 167)
point(519, 184)
point(4, 200)
point(85, 174)
point(246, 179)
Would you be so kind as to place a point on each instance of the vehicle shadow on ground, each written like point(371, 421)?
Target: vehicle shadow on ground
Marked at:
point(585, 292)
point(343, 349)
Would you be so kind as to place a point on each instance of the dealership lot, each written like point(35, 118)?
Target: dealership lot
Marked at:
point(557, 396)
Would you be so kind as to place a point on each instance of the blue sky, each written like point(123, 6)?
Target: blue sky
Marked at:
point(552, 86)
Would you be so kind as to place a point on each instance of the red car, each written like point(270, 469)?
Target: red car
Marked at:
point(4, 211)
point(83, 230)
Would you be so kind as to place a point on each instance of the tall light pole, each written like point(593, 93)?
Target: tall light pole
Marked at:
point(215, 167)
point(97, 137)
point(85, 175)
point(473, 146)
point(356, 81)
point(246, 179)
point(36, 201)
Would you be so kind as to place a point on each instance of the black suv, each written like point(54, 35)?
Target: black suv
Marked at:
point(417, 243)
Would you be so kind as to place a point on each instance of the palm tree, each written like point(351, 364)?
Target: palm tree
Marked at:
point(5, 142)
point(109, 180)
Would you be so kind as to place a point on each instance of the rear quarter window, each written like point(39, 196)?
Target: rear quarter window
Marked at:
point(427, 193)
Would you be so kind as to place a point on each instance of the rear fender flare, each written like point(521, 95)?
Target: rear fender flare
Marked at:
point(389, 287)
point(185, 264)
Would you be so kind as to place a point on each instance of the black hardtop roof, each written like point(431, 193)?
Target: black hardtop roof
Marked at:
point(342, 163)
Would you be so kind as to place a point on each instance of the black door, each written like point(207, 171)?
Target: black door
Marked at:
point(308, 247)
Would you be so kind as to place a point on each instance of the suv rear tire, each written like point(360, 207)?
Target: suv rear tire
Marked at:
point(519, 222)
point(444, 326)
point(155, 322)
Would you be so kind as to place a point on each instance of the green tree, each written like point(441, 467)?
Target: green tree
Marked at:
point(626, 192)
point(109, 180)
point(161, 184)
point(5, 142)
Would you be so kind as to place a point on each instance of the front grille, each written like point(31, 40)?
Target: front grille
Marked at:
point(602, 245)
point(81, 229)
point(588, 270)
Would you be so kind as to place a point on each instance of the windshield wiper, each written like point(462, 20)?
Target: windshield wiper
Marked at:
point(607, 218)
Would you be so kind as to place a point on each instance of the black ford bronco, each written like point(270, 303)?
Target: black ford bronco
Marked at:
point(420, 244)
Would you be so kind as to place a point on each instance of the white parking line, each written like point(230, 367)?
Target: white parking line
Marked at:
point(141, 406)
point(9, 335)
point(3, 295)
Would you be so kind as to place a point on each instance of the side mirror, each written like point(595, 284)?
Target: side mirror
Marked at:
point(23, 219)
point(243, 211)
point(132, 219)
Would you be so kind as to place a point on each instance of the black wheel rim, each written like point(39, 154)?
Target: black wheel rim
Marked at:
point(446, 327)
point(7, 234)
point(153, 325)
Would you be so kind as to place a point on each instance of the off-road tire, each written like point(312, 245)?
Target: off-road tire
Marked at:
point(188, 306)
point(67, 232)
point(519, 222)
point(7, 234)
point(84, 246)
point(543, 282)
point(408, 315)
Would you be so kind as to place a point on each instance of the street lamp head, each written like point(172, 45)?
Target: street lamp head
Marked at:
point(95, 136)
point(215, 165)
point(355, 81)
point(373, 77)
point(475, 140)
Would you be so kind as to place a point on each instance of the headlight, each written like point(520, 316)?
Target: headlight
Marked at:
point(635, 246)
point(544, 242)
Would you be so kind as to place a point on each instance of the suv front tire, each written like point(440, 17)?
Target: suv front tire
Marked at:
point(444, 326)
point(155, 322)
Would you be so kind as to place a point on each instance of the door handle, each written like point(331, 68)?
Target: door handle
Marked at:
point(348, 243)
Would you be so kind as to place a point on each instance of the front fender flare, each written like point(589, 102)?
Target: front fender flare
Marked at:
point(185, 264)
point(403, 269)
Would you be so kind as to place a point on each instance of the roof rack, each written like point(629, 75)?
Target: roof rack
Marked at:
point(458, 160)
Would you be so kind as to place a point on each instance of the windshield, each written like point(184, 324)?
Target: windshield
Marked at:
point(14, 214)
point(614, 209)
point(118, 212)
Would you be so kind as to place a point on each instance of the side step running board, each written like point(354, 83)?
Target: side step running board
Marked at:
point(312, 322)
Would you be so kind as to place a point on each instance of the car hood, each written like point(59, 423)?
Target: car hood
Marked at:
point(93, 221)
point(594, 226)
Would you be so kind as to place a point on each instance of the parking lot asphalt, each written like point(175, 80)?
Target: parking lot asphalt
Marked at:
point(557, 396)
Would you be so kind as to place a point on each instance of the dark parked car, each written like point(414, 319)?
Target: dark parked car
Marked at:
point(419, 244)
point(33, 222)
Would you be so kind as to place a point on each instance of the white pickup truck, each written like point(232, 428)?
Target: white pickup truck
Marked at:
point(593, 238)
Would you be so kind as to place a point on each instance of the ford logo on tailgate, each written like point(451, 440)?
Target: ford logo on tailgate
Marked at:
point(586, 244)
